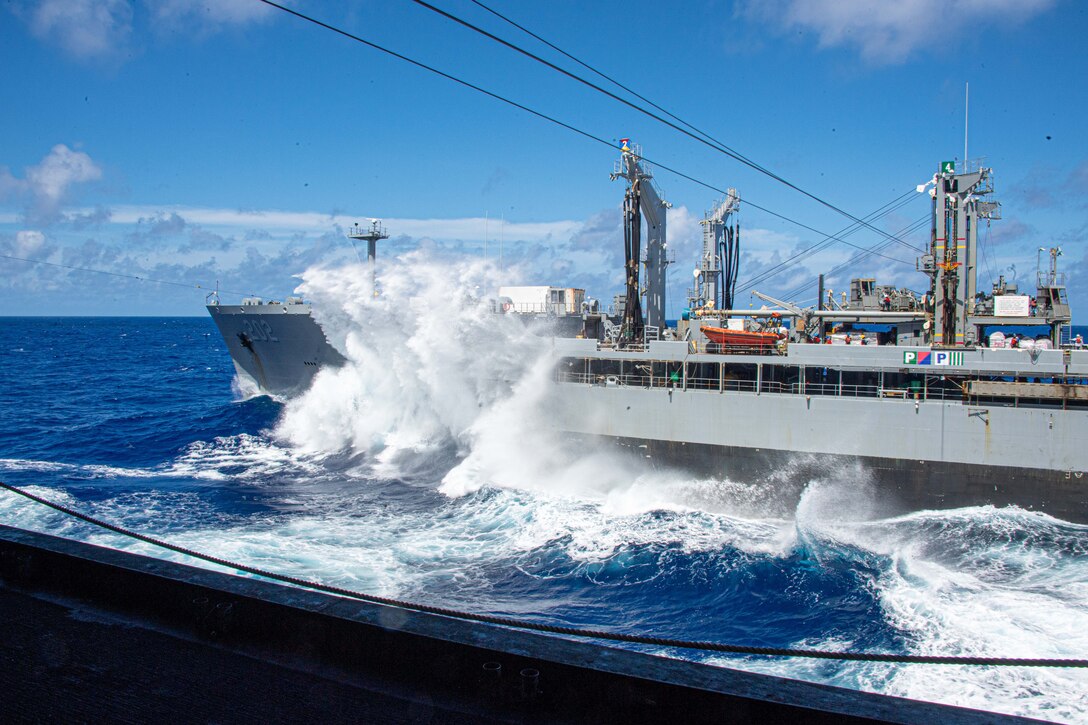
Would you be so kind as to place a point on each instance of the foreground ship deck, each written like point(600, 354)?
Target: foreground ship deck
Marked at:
point(96, 634)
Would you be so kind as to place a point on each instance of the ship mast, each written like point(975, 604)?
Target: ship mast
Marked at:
point(721, 257)
point(631, 330)
point(653, 209)
point(372, 234)
point(959, 202)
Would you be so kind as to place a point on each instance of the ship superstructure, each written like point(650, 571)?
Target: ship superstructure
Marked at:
point(906, 388)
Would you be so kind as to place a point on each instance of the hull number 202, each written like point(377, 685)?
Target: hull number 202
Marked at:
point(259, 330)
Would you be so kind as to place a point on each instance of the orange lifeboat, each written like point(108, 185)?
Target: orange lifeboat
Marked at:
point(741, 338)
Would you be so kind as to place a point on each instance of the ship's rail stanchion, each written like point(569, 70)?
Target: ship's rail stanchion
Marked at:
point(715, 348)
point(739, 386)
point(702, 383)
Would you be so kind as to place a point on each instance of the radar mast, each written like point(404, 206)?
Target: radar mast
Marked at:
point(372, 234)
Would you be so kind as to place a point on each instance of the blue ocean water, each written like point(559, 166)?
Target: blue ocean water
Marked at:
point(139, 421)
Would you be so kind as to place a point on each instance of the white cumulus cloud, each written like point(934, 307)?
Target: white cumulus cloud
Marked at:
point(28, 243)
point(285, 222)
point(210, 16)
point(888, 31)
point(86, 29)
point(49, 180)
point(46, 187)
point(104, 30)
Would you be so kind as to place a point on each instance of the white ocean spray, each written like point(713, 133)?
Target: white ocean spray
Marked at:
point(425, 356)
point(431, 365)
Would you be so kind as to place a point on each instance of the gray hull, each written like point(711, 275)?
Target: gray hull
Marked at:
point(771, 482)
point(905, 454)
point(278, 347)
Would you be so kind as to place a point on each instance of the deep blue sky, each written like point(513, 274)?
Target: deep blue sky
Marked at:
point(191, 142)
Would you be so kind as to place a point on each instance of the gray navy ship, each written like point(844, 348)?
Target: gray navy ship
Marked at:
point(930, 398)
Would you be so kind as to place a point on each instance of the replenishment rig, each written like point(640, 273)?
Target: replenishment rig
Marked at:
point(921, 396)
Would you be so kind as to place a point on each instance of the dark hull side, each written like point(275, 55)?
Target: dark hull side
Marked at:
point(771, 482)
point(279, 347)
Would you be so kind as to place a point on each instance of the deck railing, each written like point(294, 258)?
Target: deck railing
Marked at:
point(677, 381)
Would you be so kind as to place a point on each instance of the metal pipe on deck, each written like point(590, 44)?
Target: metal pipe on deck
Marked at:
point(855, 314)
point(825, 314)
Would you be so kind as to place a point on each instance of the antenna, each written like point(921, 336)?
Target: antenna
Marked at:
point(966, 105)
